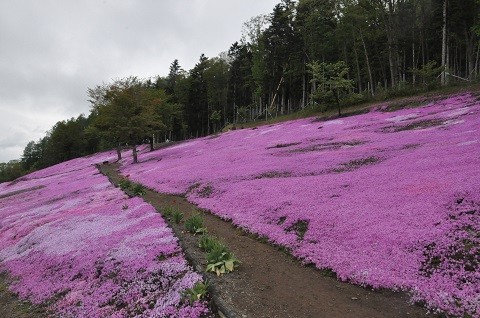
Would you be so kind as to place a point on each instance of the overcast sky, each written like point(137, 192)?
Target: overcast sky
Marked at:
point(52, 51)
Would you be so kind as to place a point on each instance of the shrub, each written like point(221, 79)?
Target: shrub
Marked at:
point(428, 73)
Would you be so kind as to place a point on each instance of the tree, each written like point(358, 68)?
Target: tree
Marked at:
point(356, 22)
point(280, 45)
point(131, 113)
point(429, 73)
point(31, 156)
point(241, 86)
point(66, 140)
point(11, 170)
point(172, 78)
point(444, 44)
point(332, 82)
point(249, 70)
point(317, 23)
point(215, 118)
point(197, 104)
point(216, 77)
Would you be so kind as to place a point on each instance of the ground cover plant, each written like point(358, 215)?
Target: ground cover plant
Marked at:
point(77, 245)
point(386, 199)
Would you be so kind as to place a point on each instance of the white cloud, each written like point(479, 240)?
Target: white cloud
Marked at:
point(52, 51)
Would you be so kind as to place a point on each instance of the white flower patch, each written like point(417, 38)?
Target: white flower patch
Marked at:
point(184, 145)
point(453, 122)
point(268, 130)
point(334, 122)
point(400, 118)
point(458, 112)
point(467, 143)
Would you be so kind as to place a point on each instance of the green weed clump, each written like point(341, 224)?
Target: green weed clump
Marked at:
point(125, 184)
point(168, 211)
point(207, 243)
point(138, 189)
point(194, 225)
point(177, 216)
point(132, 187)
point(197, 292)
point(220, 260)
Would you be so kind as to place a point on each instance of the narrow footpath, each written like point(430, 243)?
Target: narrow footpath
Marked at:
point(270, 283)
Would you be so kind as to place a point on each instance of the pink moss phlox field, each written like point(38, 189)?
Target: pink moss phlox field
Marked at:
point(84, 249)
point(372, 197)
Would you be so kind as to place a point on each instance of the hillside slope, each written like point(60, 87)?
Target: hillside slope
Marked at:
point(384, 199)
point(79, 247)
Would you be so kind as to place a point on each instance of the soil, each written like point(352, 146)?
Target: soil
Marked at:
point(269, 282)
point(12, 307)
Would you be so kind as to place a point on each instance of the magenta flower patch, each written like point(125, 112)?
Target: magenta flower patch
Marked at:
point(76, 243)
point(372, 197)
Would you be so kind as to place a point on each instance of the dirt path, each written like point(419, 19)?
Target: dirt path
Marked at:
point(270, 283)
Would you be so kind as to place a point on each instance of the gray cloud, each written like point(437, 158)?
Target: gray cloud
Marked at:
point(52, 51)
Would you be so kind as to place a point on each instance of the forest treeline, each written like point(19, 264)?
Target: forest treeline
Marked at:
point(316, 54)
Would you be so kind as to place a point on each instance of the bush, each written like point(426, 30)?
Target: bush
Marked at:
point(355, 99)
point(428, 73)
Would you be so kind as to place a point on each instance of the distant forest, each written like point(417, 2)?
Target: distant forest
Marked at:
point(306, 54)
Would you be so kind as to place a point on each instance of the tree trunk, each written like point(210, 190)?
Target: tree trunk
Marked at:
point(312, 91)
point(368, 64)
point(119, 152)
point(413, 63)
point(470, 51)
point(150, 140)
point(388, 19)
point(282, 106)
point(304, 86)
point(134, 153)
point(476, 61)
point(393, 69)
point(337, 98)
point(444, 44)
point(208, 120)
point(357, 64)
